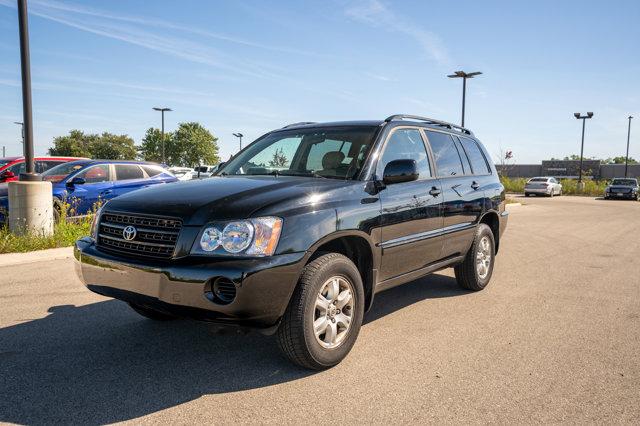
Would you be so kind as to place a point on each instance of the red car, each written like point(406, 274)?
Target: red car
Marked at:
point(11, 167)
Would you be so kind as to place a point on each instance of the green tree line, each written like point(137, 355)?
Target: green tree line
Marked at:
point(189, 145)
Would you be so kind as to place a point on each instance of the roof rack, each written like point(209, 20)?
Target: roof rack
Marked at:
point(430, 121)
point(302, 123)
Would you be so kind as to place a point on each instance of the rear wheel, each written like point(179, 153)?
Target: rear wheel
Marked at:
point(526, 194)
point(323, 319)
point(151, 313)
point(474, 273)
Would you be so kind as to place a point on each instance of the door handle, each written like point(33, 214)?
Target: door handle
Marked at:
point(435, 191)
point(106, 192)
point(475, 185)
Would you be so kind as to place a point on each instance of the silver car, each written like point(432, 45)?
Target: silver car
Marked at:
point(545, 185)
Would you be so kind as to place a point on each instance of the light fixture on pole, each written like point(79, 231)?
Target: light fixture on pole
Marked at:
point(464, 76)
point(578, 116)
point(20, 123)
point(626, 161)
point(239, 136)
point(162, 111)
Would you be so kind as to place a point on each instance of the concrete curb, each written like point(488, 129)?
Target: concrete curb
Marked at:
point(11, 259)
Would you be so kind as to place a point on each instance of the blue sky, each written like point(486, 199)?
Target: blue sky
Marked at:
point(252, 66)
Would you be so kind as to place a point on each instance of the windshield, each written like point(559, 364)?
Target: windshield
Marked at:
point(337, 153)
point(625, 182)
point(4, 162)
point(58, 173)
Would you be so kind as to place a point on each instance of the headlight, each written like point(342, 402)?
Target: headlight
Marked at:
point(253, 237)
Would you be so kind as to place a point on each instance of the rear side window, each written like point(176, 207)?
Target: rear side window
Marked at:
point(128, 171)
point(152, 170)
point(465, 160)
point(446, 155)
point(406, 144)
point(476, 157)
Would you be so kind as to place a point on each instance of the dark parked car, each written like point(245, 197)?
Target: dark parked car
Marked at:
point(625, 188)
point(302, 228)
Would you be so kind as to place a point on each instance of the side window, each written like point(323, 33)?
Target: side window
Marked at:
point(445, 154)
point(18, 168)
point(465, 160)
point(406, 144)
point(44, 165)
point(478, 161)
point(152, 170)
point(128, 172)
point(95, 174)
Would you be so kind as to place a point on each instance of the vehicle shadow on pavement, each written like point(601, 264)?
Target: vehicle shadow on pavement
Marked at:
point(102, 363)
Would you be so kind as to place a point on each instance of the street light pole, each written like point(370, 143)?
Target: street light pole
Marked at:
point(578, 116)
point(25, 63)
point(239, 136)
point(626, 161)
point(464, 76)
point(22, 125)
point(162, 111)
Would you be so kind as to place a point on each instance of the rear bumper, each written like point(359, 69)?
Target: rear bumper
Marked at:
point(537, 190)
point(184, 288)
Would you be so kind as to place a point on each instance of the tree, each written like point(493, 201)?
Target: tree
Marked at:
point(279, 159)
point(191, 145)
point(620, 160)
point(151, 149)
point(106, 146)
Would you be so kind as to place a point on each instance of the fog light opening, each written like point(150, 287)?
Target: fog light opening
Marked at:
point(223, 291)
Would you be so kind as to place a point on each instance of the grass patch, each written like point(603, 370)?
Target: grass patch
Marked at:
point(65, 233)
point(592, 188)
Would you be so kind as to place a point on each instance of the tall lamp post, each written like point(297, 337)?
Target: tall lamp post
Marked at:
point(578, 116)
point(626, 161)
point(30, 207)
point(20, 123)
point(239, 136)
point(464, 76)
point(162, 111)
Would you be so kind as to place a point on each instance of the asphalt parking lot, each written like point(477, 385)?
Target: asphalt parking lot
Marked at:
point(554, 338)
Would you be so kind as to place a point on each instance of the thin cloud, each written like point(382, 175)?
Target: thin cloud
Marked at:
point(377, 14)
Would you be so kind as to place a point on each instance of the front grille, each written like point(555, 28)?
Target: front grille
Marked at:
point(154, 236)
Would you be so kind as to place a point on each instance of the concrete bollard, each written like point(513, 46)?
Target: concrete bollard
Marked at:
point(30, 208)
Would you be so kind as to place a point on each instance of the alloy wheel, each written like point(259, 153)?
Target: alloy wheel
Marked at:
point(333, 313)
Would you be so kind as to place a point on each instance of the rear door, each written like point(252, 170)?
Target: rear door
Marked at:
point(411, 211)
point(463, 193)
point(128, 177)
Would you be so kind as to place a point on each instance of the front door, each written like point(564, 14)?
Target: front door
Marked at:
point(96, 189)
point(411, 211)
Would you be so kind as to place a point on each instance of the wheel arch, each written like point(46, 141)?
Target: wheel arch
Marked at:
point(492, 219)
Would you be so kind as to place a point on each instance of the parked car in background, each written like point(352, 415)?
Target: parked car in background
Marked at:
point(625, 188)
point(182, 173)
point(202, 172)
point(11, 167)
point(545, 185)
point(300, 247)
point(81, 184)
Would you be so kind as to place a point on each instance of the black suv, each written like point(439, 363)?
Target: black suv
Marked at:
point(302, 228)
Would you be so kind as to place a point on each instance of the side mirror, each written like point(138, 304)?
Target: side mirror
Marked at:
point(76, 181)
point(7, 174)
point(398, 171)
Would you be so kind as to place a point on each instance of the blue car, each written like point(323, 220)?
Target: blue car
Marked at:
point(81, 184)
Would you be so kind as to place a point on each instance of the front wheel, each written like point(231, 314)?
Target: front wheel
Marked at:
point(323, 319)
point(474, 273)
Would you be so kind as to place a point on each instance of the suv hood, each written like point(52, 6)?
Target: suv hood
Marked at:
point(197, 202)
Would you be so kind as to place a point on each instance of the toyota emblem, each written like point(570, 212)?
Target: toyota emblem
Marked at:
point(129, 233)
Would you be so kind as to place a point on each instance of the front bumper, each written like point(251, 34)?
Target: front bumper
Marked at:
point(622, 195)
point(183, 287)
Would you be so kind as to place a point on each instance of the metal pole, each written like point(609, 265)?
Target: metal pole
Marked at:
point(162, 132)
point(240, 143)
point(464, 95)
point(26, 93)
point(581, 152)
point(626, 161)
point(4, 151)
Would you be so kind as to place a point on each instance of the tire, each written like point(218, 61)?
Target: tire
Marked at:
point(151, 313)
point(551, 194)
point(56, 213)
point(296, 336)
point(467, 273)
point(526, 194)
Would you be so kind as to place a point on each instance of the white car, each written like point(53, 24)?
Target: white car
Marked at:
point(201, 172)
point(182, 173)
point(544, 185)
